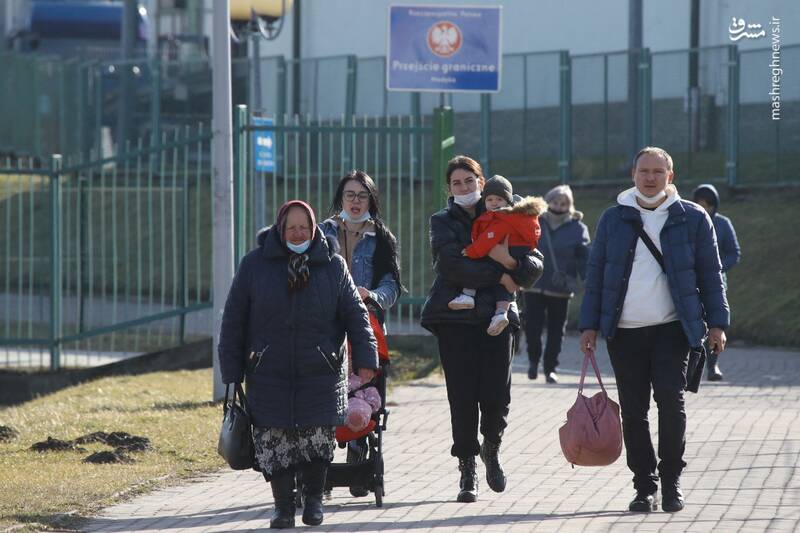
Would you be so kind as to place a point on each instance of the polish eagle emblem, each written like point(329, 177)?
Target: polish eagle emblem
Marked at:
point(444, 38)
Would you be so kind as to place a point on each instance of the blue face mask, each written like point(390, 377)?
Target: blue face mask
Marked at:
point(347, 218)
point(299, 248)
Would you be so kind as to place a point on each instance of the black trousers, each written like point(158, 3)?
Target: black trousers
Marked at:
point(653, 356)
point(554, 309)
point(477, 372)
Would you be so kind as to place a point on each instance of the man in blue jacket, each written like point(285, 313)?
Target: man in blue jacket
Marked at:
point(707, 197)
point(653, 302)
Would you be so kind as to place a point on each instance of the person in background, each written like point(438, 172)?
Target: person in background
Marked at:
point(707, 197)
point(547, 302)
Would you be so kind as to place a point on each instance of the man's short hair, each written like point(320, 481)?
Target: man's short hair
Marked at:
point(655, 150)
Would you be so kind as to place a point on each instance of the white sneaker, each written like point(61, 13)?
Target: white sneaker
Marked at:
point(498, 324)
point(462, 301)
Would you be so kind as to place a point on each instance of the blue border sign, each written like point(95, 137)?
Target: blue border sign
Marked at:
point(263, 146)
point(444, 48)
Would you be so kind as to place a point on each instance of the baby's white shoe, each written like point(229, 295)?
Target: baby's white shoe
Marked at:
point(498, 324)
point(462, 301)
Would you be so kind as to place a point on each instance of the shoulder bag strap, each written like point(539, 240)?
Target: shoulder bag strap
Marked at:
point(550, 244)
point(651, 246)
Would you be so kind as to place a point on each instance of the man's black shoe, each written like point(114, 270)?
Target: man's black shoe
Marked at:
point(714, 374)
point(644, 502)
point(673, 497)
point(490, 455)
point(468, 484)
point(551, 377)
point(532, 372)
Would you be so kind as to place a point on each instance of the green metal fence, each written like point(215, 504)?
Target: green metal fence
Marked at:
point(404, 158)
point(105, 258)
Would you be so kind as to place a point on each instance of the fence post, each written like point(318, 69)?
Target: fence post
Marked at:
point(184, 243)
point(240, 135)
point(83, 111)
point(97, 140)
point(350, 101)
point(486, 130)
point(155, 103)
point(37, 112)
point(281, 93)
point(605, 116)
point(645, 100)
point(55, 262)
point(442, 150)
point(732, 155)
point(350, 110)
point(62, 108)
point(565, 104)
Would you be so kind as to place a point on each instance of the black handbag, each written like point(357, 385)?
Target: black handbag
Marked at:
point(560, 281)
point(697, 356)
point(236, 434)
point(694, 369)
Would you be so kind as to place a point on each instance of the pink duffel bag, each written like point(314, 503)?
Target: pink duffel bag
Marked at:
point(592, 435)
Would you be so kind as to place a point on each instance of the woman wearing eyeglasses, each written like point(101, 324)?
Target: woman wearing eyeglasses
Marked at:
point(370, 251)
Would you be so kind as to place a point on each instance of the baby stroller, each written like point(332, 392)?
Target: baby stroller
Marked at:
point(363, 470)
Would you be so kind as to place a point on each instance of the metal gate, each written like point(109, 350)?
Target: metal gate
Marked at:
point(405, 157)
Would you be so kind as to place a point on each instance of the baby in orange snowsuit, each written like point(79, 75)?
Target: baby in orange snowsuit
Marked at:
point(519, 221)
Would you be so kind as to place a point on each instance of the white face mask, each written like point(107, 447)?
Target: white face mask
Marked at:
point(348, 218)
point(467, 200)
point(649, 199)
point(299, 248)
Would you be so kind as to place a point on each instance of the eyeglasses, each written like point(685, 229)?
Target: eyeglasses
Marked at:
point(351, 196)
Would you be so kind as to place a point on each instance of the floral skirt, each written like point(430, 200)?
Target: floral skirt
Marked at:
point(282, 448)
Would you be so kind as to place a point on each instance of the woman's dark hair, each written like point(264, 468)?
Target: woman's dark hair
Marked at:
point(464, 163)
point(386, 253)
point(363, 178)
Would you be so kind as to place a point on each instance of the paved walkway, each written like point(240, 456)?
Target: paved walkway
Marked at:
point(743, 447)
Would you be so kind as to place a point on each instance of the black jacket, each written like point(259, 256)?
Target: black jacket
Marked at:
point(286, 343)
point(451, 232)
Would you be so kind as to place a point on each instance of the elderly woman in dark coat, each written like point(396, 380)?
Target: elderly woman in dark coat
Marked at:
point(290, 305)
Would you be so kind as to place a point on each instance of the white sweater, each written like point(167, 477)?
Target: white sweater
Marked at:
point(648, 301)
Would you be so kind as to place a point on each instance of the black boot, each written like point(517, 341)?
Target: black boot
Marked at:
point(468, 484)
point(714, 373)
point(672, 496)
point(644, 502)
point(283, 493)
point(313, 485)
point(490, 455)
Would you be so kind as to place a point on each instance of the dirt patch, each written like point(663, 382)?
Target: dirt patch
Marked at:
point(56, 445)
point(121, 440)
point(107, 457)
point(8, 433)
